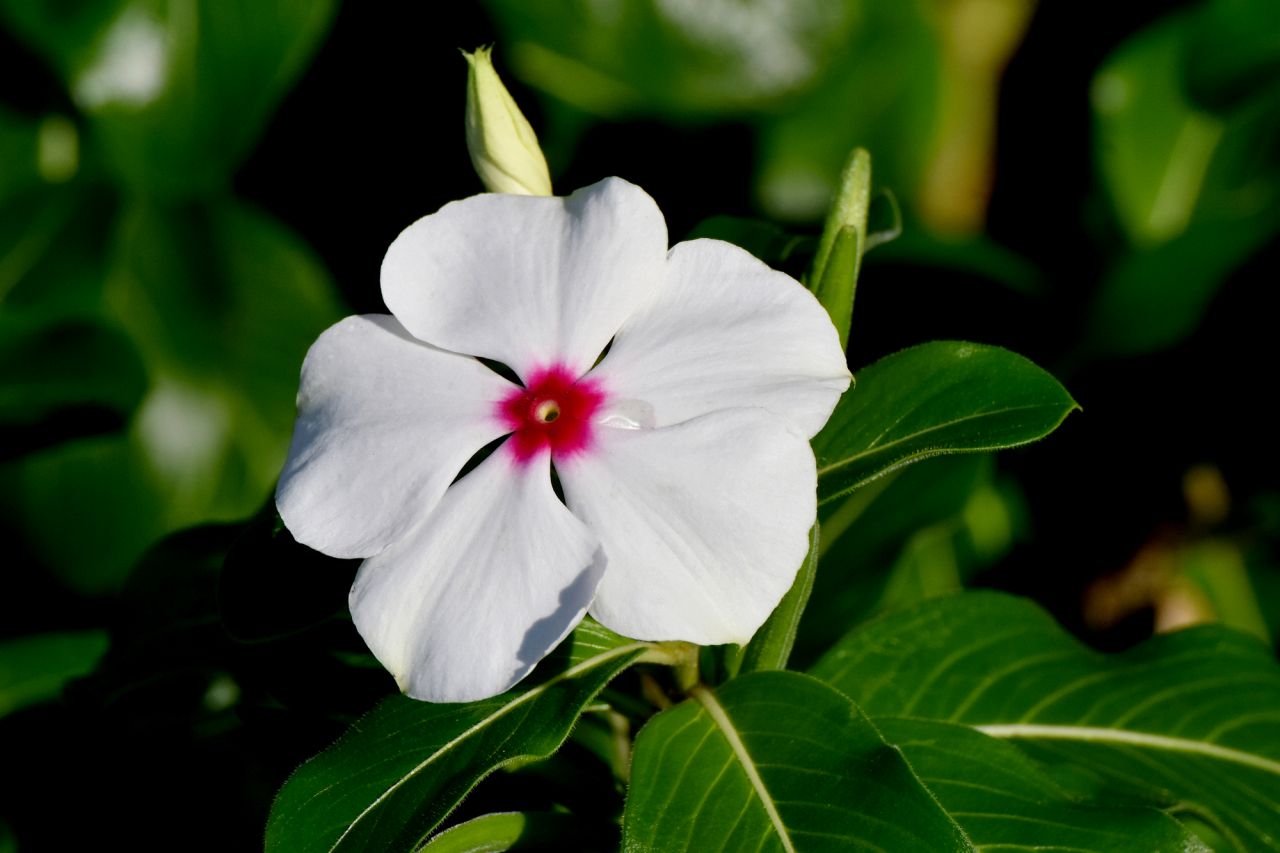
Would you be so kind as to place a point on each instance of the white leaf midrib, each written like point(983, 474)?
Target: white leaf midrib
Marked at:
point(879, 449)
point(721, 718)
point(523, 698)
point(1128, 737)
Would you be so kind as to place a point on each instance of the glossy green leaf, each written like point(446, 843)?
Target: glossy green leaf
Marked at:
point(494, 833)
point(940, 397)
point(177, 93)
point(1004, 801)
point(491, 833)
point(34, 669)
point(775, 761)
point(1187, 721)
point(771, 646)
point(390, 780)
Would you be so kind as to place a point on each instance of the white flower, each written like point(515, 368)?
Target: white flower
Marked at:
point(689, 485)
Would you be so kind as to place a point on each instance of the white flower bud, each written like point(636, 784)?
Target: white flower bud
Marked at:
point(504, 149)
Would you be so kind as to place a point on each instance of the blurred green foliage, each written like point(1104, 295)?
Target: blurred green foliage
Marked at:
point(1195, 188)
point(811, 77)
point(153, 323)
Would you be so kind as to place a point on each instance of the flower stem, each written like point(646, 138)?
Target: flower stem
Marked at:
point(687, 675)
point(681, 657)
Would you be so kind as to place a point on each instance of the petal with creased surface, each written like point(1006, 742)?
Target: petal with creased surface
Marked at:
point(385, 422)
point(465, 605)
point(528, 281)
point(703, 524)
point(728, 331)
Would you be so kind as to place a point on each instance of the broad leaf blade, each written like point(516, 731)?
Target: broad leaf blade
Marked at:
point(940, 397)
point(34, 669)
point(1190, 719)
point(494, 833)
point(1003, 800)
point(400, 770)
point(775, 761)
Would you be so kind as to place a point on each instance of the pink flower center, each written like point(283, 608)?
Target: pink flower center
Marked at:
point(553, 412)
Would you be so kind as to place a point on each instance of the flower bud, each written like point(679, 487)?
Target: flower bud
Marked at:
point(504, 149)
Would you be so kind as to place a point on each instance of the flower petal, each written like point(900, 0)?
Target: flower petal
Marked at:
point(465, 605)
point(728, 331)
point(703, 524)
point(528, 281)
point(385, 423)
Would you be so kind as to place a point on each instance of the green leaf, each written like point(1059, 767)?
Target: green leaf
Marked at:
point(771, 645)
point(1217, 569)
point(493, 833)
point(1187, 721)
point(62, 33)
point(1233, 51)
point(882, 93)
point(1152, 298)
point(940, 397)
point(398, 772)
point(19, 151)
point(176, 92)
point(834, 275)
point(44, 367)
point(1004, 801)
point(669, 59)
point(221, 302)
point(1196, 192)
point(54, 243)
point(775, 761)
point(1153, 148)
point(865, 534)
point(34, 669)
